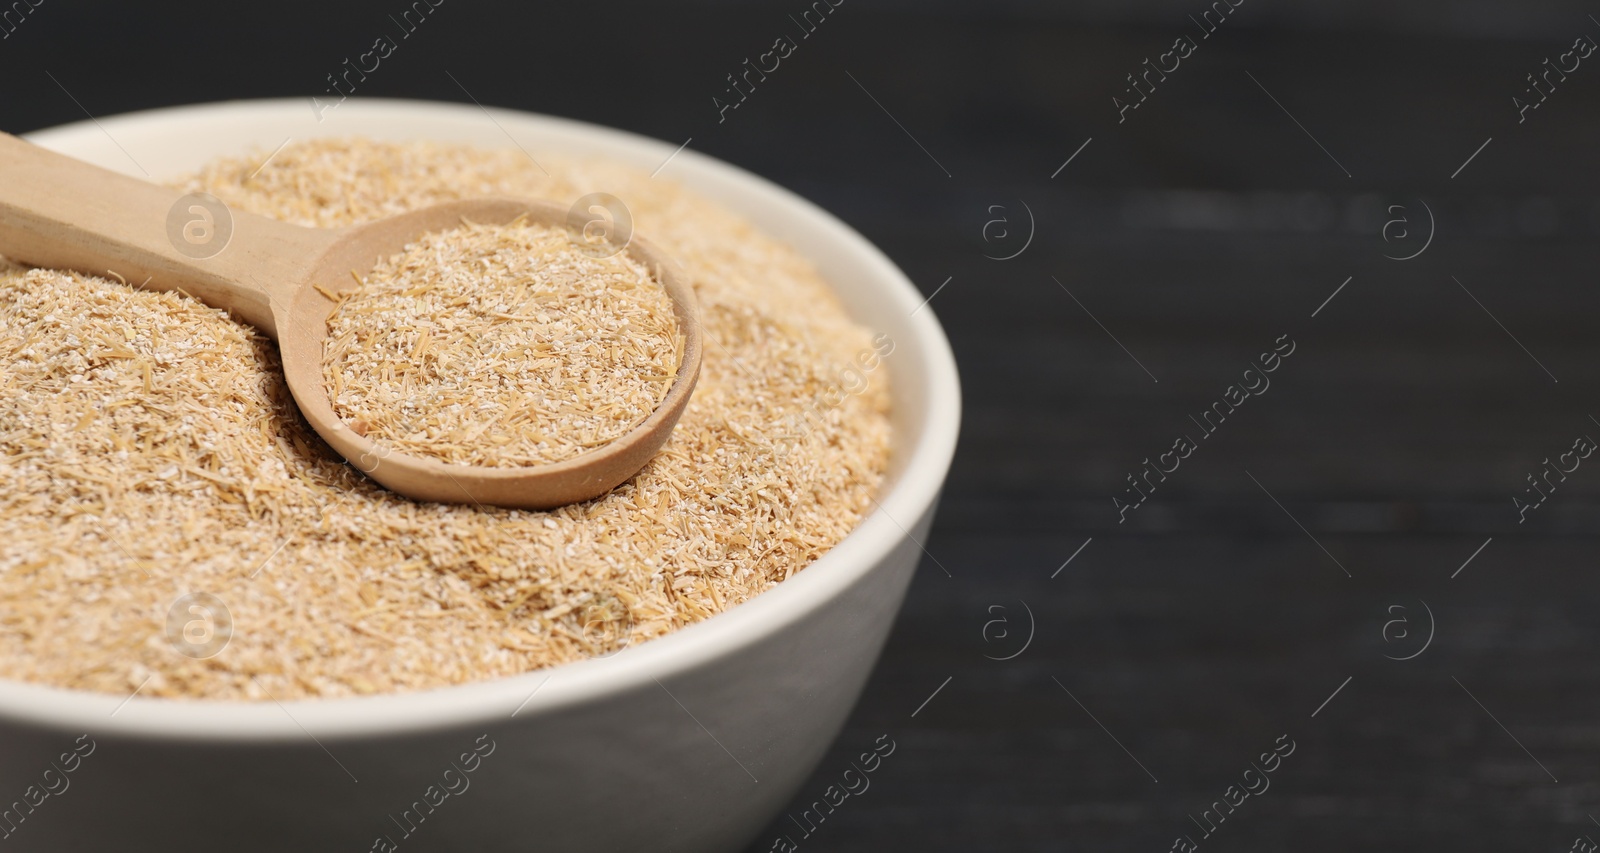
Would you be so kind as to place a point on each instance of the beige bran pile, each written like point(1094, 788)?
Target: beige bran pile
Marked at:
point(149, 450)
point(501, 346)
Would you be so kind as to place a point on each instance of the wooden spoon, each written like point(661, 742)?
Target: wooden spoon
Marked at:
point(62, 213)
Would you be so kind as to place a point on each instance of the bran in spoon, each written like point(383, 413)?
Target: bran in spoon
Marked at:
point(149, 449)
point(501, 346)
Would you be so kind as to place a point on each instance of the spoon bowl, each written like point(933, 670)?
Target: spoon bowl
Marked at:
point(285, 280)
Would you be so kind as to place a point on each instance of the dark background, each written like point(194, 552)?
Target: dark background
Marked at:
point(1197, 232)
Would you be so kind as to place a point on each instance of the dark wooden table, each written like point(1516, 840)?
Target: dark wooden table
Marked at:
point(1356, 512)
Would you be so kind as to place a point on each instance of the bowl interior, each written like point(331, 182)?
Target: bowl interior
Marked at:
point(923, 387)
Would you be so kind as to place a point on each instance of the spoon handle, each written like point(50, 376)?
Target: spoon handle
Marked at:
point(63, 213)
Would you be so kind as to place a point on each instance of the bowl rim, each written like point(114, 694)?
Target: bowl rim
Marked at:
point(917, 477)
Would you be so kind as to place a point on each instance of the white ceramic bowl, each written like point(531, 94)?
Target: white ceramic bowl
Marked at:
point(690, 742)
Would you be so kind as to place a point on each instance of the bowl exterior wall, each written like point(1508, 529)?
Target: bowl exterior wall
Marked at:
point(698, 763)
